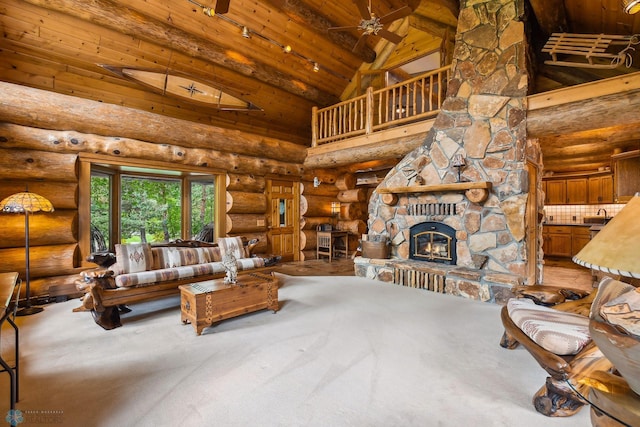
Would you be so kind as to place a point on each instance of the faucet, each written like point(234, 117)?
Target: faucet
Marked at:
point(605, 212)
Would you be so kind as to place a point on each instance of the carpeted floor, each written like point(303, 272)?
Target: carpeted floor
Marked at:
point(342, 351)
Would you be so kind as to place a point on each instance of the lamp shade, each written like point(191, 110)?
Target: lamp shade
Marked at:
point(616, 248)
point(25, 202)
point(631, 6)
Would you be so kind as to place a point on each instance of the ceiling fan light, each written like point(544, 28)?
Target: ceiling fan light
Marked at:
point(631, 6)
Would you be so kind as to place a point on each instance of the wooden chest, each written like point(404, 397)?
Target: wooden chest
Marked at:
point(205, 303)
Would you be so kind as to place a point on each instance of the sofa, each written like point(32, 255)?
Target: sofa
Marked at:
point(143, 272)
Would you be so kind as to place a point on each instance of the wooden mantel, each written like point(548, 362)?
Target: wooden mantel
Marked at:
point(477, 192)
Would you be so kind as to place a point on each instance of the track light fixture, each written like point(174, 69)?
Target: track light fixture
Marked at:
point(247, 33)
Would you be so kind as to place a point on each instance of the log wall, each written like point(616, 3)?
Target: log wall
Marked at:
point(43, 154)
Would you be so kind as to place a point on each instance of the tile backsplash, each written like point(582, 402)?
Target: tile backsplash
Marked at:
point(573, 214)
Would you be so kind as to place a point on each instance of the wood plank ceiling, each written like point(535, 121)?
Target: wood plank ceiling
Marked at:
point(60, 45)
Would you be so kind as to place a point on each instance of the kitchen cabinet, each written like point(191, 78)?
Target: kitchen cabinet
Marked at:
point(626, 168)
point(577, 191)
point(556, 193)
point(564, 240)
point(557, 240)
point(580, 236)
point(582, 189)
point(601, 189)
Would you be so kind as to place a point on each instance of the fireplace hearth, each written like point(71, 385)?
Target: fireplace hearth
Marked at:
point(434, 242)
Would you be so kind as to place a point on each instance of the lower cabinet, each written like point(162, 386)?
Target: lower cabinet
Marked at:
point(564, 240)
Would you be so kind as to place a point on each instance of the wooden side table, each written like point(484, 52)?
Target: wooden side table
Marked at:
point(205, 303)
point(9, 283)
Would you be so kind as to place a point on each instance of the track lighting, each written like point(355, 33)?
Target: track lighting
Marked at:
point(247, 34)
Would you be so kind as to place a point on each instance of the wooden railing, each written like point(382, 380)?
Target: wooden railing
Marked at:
point(409, 101)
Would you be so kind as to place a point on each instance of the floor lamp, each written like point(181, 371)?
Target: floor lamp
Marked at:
point(26, 203)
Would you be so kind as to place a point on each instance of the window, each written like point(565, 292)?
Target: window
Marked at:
point(129, 204)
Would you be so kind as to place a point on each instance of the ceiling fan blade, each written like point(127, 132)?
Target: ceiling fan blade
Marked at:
point(360, 44)
point(342, 28)
point(222, 7)
point(396, 14)
point(392, 37)
point(363, 7)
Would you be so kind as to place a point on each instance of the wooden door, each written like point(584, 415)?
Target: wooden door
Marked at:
point(284, 206)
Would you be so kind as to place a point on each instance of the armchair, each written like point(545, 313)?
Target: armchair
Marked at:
point(559, 340)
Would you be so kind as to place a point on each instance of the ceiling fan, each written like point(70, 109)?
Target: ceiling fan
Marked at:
point(371, 24)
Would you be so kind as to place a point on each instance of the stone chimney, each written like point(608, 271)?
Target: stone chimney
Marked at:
point(483, 121)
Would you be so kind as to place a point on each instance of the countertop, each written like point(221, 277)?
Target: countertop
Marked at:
point(579, 224)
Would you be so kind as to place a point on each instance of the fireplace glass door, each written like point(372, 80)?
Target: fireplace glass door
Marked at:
point(431, 241)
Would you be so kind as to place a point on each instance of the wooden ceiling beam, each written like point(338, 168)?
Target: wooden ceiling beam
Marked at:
point(298, 12)
point(431, 26)
point(130, 22)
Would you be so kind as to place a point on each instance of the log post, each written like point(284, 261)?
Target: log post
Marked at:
point(346, 181)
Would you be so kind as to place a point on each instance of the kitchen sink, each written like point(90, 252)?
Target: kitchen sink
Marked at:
point(595, 219)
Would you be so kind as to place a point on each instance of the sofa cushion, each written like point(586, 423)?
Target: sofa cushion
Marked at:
point(556, 331)
point(147, 278)
point(232, 245)
point(134, 257)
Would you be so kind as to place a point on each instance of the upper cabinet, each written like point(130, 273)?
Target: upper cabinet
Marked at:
point(579, 190)
point(600, 189)
point(626, 167)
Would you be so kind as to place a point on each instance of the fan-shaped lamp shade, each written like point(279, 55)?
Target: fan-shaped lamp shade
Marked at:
point(631, 6)
point(616, 248)
point(25, 202)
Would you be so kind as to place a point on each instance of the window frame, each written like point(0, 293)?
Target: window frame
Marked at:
point(118, 167)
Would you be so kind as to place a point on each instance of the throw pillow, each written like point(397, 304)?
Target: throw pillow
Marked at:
point(624, 312)
point(134, 257)
point(608, 289)
point(231, 245)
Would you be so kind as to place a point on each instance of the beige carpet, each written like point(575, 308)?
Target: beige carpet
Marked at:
point(342, 351)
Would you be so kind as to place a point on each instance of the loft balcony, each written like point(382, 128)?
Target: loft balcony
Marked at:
point(394, 119)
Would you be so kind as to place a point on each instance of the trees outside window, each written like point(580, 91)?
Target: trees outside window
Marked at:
point(149, 208)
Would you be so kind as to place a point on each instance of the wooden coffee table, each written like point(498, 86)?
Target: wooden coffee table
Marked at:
point(205, 303)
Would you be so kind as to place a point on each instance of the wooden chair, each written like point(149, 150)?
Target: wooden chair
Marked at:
point(559, 397)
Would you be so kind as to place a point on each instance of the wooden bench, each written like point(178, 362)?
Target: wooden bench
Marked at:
point(590, 50)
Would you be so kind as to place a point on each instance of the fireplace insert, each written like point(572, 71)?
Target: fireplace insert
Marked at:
point(433, 241)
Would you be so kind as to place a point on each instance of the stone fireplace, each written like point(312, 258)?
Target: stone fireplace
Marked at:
point(481, 205)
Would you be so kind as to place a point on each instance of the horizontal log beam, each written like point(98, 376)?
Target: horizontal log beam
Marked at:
point(388, 144)
point(43, 109)
point(15, 138)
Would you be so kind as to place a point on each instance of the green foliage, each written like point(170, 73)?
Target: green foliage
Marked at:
point(151, 208)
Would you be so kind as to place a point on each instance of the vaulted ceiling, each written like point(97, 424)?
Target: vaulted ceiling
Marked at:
point(63, 45)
